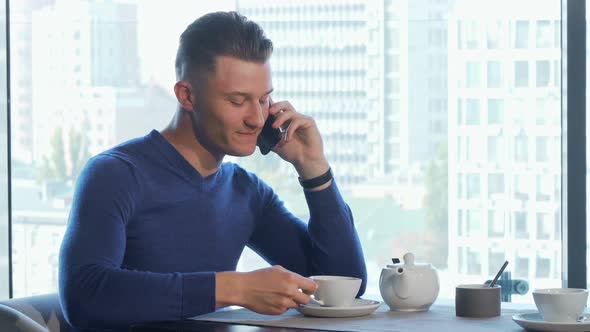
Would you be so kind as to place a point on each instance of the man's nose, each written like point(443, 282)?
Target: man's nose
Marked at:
point(255, 117)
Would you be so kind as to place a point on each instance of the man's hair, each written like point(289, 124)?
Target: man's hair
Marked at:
point(219, 34)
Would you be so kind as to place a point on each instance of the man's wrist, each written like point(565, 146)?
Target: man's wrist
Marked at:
point(311, 169)
point(318, 181)
point(227, 289)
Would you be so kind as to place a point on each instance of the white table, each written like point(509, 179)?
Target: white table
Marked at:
point(438, 318)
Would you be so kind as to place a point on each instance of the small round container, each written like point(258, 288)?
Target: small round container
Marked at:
point(477, 301)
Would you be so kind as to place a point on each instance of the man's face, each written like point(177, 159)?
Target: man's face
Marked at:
point(231, 109)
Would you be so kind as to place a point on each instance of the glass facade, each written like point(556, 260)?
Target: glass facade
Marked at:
point(441, 124)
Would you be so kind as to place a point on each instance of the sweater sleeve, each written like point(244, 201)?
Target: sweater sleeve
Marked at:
point(327, 245)
point(95, 290)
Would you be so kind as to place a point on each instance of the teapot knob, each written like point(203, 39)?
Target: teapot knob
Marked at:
point(409, 258)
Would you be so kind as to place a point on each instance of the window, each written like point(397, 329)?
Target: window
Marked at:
point(545, 188)
point(522, 34)
point(496, 224)
point(495, 111)
point(494, 74)
point(520, 225)
point(543, 73)
point(541, 112)
point(544, 226)
point(496, 258)
point(459, 111)
point(473, 75)
point(490, 148)
point(542, 147)
point(475, 153)
point(472, 112)
point(472, 35)
point(393, 38)
point(473, 262)
point(544, 34)
point(495, 184)
point(521, 148)
point(460, 223)
point(522, 267)
point(547, 111)
point(461, 259)
point(543, 267)
point(437, 37)
point(523, 186)
point(472, 186)
point(494, 148)
point(521, 74)
point(460, 31)
point(473, 223)
point(494, 35)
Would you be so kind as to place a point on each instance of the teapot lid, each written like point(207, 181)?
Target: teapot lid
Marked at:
point(409, 263)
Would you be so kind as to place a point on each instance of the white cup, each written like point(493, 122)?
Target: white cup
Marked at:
point(560, 305)
point(336, 291)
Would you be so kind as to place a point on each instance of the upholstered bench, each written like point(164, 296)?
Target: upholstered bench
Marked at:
point(33, 314)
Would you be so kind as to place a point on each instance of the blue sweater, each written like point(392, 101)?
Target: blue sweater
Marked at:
point(147, 233)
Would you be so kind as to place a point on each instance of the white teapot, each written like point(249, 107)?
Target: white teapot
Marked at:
point(409, 286)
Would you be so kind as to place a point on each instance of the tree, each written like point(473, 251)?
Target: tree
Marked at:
point(437, 206)
point(271, 169)
point(54, 166)
point(79, 152)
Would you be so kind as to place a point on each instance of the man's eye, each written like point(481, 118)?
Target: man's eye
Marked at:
point(263, 102)
point(236, 102)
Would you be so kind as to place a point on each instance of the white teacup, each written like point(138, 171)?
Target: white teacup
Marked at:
point(560, 305)
point(336, 291)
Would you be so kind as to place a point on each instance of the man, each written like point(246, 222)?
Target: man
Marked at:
point(158, 223)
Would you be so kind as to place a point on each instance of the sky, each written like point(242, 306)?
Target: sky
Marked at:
point(159, 27)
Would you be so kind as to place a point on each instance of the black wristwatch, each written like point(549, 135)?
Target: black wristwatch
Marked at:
point(317, 181)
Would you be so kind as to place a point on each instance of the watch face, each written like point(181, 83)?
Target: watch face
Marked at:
point(269, 137)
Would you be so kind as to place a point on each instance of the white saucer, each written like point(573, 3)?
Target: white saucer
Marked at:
point(534, 322)
point(359, 307)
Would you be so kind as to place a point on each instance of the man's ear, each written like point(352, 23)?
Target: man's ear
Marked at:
point(184, 95)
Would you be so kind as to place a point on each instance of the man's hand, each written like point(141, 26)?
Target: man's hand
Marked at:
point(302, 143)
point(270, 291)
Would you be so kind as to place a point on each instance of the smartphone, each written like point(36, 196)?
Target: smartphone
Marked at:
point(269, 136)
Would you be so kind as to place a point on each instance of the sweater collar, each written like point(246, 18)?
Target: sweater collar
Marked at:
point(178, 161)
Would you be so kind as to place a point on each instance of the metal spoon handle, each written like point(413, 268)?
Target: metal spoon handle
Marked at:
point(498, 274)
point(318, 302)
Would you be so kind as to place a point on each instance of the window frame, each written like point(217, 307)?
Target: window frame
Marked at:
point(573, 116)
point(573, 158)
